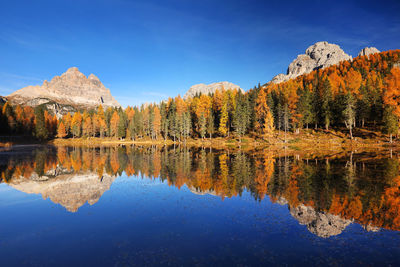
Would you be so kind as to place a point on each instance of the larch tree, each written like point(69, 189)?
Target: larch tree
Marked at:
point(223, 120)
point(61, 132)
point(156, 122)
point(114, 124)
point(391, 98)
point(76, 124)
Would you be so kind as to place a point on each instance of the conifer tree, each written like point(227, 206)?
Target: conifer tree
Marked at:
point(187, 124)
point(241, 116)
point(61, 133)
point(156, 122)
point(76, 124)
point(122, 123)
point(164, 119)
point(349, 113)
point(326, 103)
point(40, 126)
point(114, 124)
point(305, 108)
point(391, 122)
point(223, 121)
point(202, 125)
point(210, 123)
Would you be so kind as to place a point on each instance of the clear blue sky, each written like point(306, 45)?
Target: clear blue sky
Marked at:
point(149, 50)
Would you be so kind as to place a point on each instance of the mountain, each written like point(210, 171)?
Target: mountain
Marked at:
point(318, 56)
point(210, 88)
point(368, 51)
point(71, 88)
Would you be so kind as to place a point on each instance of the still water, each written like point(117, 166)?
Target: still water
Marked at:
point(136, 206)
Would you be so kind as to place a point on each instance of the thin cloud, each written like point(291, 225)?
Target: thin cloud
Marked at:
point(29, 40)
point(19, 77)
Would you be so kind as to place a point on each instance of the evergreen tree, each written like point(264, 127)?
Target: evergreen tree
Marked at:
point(210, 123)
point(132, 129)
point(326, 103)
point(187, 124)
point(122, 124)
point(202, 126)
point(349, 113)
point(305, 108)
point(241, 116)
point(172, 119)
point(363, 106)
point(286, 119)
point(164, 119)
point(391, 122)
point(40, 127)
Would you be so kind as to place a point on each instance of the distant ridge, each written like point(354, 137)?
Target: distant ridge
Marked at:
point(210, 88)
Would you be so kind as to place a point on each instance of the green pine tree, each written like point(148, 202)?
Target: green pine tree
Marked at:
point(40, 127)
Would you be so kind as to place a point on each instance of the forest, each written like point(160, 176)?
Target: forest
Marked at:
point(362, 93)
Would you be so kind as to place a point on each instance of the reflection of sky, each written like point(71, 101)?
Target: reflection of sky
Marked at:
point(144, 221)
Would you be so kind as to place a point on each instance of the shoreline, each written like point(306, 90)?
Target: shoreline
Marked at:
point(308, 140)
point(311, 141)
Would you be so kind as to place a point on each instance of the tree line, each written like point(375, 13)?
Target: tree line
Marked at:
point(360, 93)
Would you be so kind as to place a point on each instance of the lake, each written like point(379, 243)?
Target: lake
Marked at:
point(136, 206)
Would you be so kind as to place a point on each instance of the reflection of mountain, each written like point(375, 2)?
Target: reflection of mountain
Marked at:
point(319, 223)
point(71, 190)
point(197, 191)
point(325, 195)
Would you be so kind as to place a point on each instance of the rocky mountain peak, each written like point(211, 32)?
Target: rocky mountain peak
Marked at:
point(368, 51)
point(318, 55)
point(73, 70)
point(70, 88)
point(93, 77)
point(210, 88)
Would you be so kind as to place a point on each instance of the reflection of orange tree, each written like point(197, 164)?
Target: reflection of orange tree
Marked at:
point(365, 200)
point(330, 186)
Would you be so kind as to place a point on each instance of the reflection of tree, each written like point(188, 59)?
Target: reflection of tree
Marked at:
point(40, 161)
point(351, 187)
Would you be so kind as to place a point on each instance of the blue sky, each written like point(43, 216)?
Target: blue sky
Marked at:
point(148, 50)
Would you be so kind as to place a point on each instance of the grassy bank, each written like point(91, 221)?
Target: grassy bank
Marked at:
point(307, 139)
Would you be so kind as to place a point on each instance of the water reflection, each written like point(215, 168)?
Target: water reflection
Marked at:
point(325, 194)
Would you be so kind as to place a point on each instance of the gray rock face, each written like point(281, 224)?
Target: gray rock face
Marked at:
point(3, 100)
point(53, 107)
point(210, 88)
point(321, 224)
point(368, 51)
point(319, 55)
point(71, 88)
